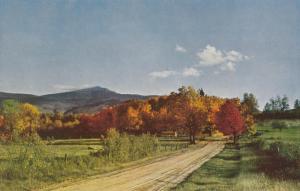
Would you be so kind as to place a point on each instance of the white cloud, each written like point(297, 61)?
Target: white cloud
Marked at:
point(190, 72)
point(162, 74)
point(234, 56)
point(229, 66)
point(210, 56)
point(179, 48)
point(226, 61)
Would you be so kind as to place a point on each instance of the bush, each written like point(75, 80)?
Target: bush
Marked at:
point(279, 125)
point(25, 161)
point(259, 144)
point(288, 151)
point(123, 147)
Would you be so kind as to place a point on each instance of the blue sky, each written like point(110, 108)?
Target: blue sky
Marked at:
point(227, 47)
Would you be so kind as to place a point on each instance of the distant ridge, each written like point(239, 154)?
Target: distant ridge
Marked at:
point(86, 100)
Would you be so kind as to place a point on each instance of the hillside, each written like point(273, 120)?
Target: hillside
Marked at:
point(84, 100)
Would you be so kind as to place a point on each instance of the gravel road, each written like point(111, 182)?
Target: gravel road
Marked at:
point(161, 174)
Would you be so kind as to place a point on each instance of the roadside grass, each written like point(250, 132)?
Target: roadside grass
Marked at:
point(29, 166)
point(247, 168)
point(217, 174)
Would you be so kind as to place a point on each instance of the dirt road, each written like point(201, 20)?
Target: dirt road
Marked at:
point(159, 175)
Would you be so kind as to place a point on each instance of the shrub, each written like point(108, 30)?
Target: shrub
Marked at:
point(288, 151)
point(123, 147)
point(25, 161)
point(279, 125)
point(259, 144)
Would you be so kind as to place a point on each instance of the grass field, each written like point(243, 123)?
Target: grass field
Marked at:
point(246, 168)
point(289, 135)
point(26, 166)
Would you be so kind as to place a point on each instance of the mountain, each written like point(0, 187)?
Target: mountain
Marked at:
point(87, 100)
point(20, 97)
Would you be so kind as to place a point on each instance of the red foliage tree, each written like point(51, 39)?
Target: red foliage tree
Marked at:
point(229, 120)
point(98, 123)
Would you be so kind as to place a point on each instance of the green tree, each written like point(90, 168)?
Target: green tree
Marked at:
point(268, 107)
point(297, 104)
point(277, 104)
point(10, 109)
point(250, 103)
point(201, 92)
point(285, 103)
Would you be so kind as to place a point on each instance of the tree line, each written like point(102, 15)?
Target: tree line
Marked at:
point(279, 108)
point(187, 111)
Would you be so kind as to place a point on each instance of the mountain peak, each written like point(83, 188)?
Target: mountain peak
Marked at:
point(90, 99)
point(94, 89)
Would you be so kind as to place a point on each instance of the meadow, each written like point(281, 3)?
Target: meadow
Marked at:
point(252, 166)
point(27, 166)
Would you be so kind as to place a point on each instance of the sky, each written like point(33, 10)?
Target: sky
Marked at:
point(226, 47)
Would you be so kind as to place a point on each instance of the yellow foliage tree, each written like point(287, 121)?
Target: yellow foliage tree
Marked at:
point(29, 119)
point(58, 123)
point(249, 121)
point(190, 109)
point(134, 118)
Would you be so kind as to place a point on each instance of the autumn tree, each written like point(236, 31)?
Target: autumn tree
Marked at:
point(57, 118)
point(94, 125)
point(165, 120)
point(159, 116)
point(129, 115)
point(70, 120)
point(1, 121)
point(46, 120)
point(213, 105)
point(229, 120)
point(190, 110)
point(29, 119)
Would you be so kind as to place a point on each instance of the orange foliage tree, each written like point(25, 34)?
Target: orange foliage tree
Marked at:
point(1, 121)
point(190, 110)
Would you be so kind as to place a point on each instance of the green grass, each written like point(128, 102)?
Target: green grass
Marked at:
point(218, 173)
point(25, 167)
point(289, 135)
point(57, 148)
point(246, 168)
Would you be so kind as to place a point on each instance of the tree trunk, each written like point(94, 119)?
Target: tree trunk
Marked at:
point(210, 131)
point(194, 140)
point(190, 135)
point(193, 136)
point(234, 139)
